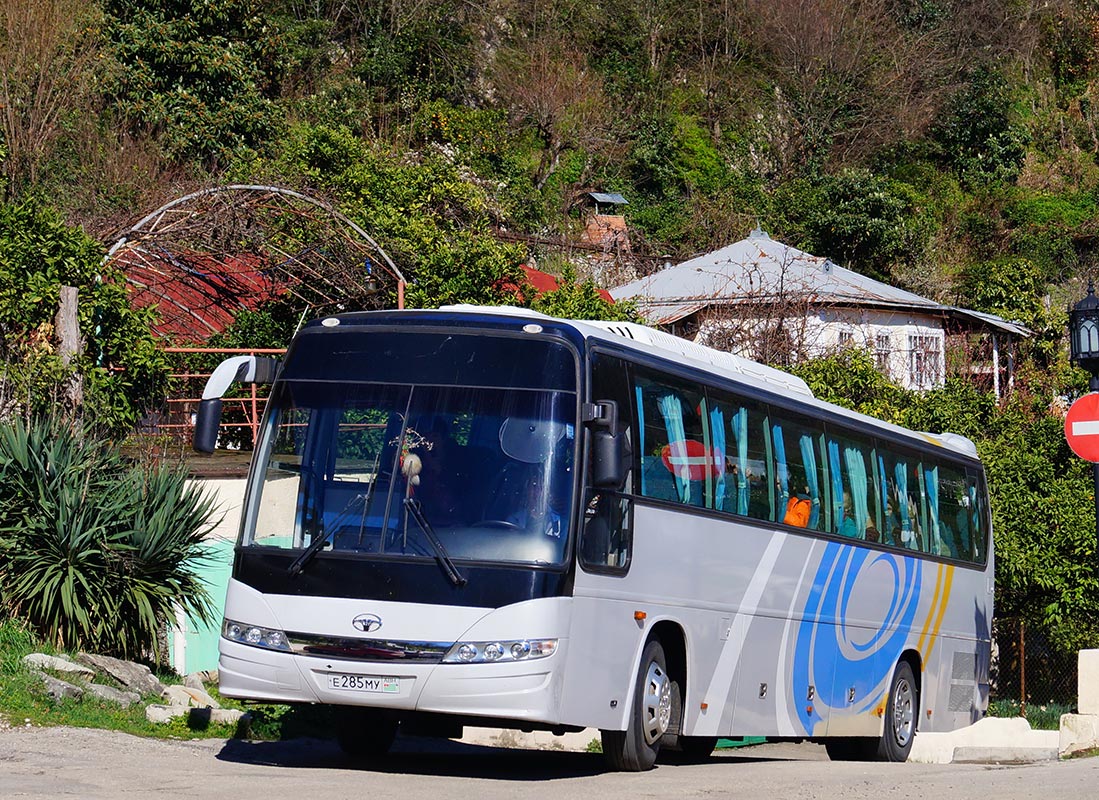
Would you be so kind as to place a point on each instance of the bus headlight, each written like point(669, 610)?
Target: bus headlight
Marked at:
point(255, 635)
point(500, 651)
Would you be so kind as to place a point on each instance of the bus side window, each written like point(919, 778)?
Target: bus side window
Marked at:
point(854, 491)
point(900, 476)
point(954, 516)
point(606, 533)
point(798, 477)
point(744, 488)
point(979, 516)
point(672, 448)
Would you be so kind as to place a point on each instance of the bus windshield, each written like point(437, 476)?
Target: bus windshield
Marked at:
point(367, 466)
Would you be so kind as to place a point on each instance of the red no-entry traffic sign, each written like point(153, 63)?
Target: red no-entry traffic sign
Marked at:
point(1082, 427)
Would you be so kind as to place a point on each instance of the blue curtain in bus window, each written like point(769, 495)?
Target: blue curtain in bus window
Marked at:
point(931, 481)
point(740, 431)
point(808, 458)
point(672, 411)
point(900, 472)
point(837, 486)
point(887, 502)
point(782, 473)
point(717, 431)
point(856, 472)
point(641, 435)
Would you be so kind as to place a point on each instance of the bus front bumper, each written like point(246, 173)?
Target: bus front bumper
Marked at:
point(523, 690)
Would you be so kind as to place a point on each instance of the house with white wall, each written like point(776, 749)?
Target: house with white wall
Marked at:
point(771, 302)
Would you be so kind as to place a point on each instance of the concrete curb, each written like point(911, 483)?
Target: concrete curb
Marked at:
point(993, 740)
point(1003, 755)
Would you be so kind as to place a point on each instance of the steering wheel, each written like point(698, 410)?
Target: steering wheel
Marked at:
point(497, 523)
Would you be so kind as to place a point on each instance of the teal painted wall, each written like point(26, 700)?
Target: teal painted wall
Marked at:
point(201, 641)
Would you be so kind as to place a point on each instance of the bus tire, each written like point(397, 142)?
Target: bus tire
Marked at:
point(365, 732)
point(675, 748)
point(636, 748)
point(901, 715)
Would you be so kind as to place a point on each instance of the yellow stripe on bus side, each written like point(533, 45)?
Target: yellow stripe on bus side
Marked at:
point(944, 578)
point(942, 612)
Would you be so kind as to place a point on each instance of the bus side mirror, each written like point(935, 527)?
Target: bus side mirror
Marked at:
point(245, 369)
point(608, 445)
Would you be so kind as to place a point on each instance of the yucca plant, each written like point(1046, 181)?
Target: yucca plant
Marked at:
point(95, 552)
point(158, 554)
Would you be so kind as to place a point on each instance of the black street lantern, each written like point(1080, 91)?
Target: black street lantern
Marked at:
point(1083, 330)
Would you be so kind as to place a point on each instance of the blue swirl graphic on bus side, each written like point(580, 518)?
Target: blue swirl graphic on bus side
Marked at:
point(830, 655)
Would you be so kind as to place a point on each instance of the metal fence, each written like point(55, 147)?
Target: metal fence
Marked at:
point(1026, 668)
point(242, 406)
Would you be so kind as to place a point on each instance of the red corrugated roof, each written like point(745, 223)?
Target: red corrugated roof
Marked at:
point(543, 282)
point(196, 295)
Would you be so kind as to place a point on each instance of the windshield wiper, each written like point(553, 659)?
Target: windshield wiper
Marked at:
point(441, 554)
point(299, 563)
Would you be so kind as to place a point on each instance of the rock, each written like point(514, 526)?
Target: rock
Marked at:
point(133, 676)
point(200, 680)
point(202, 717)
point(188, 697)
point(160, 715)
point(198, 718)
point(60, 690)
point(112, 695)
point(55, 664)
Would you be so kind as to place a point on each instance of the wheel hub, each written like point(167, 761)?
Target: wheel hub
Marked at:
point(903, 712)
point(656, 704)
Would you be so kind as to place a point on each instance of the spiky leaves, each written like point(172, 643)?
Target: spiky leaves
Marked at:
point(95, 552)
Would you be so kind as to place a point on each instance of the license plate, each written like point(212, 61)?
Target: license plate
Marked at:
point(364, 683)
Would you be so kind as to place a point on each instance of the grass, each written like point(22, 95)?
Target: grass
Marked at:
point(1045, 717)
point(23, 701)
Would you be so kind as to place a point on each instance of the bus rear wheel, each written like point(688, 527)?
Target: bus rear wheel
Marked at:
point(365, 732)
point(900, 716)
point(636, 748)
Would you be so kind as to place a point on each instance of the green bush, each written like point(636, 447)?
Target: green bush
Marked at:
point(94, 552)
point(860, 220)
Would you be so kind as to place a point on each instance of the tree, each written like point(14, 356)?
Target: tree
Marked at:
point(550, 87)
point(203, 76)
point(124, 371)
point(432, 222)
point(850, 77)
point(47, 51)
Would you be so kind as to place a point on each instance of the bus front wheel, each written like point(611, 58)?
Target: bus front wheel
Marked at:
point(635, 749)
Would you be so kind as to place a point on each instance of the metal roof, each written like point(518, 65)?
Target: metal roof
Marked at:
point(760, 269)
point(608, 197)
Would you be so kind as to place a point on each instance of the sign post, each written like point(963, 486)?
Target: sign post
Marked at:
point(1082, 434)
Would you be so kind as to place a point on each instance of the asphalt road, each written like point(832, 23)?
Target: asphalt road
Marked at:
point(105, 765)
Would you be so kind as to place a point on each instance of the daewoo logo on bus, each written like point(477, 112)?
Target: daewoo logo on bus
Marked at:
point(367, 623)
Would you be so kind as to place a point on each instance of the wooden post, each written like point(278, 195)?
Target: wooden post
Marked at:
point(1022, 666)
point(67, 326)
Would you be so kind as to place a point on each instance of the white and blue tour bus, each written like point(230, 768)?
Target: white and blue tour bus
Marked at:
point(486, 516)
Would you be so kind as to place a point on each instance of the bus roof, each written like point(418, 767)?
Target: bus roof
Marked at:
point(652, 341)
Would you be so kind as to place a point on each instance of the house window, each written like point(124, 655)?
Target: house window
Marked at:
point(924, 358)
point(881, 352)
point(846, 339)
